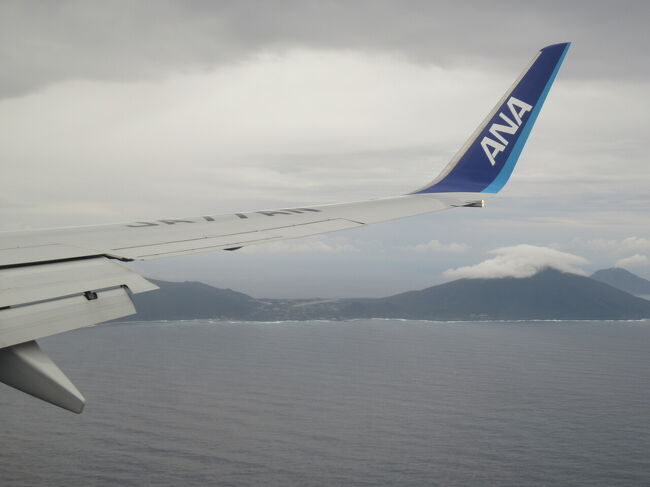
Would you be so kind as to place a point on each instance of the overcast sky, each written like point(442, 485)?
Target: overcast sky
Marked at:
point(123, 111)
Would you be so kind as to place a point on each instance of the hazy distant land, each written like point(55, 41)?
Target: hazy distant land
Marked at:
point(548, 295)
point(623, 280)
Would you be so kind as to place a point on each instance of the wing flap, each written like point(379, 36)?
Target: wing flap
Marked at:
point(26, 323)
point(44, 299)
point(29, 284)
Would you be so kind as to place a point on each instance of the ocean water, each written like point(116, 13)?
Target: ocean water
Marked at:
point(359, 403)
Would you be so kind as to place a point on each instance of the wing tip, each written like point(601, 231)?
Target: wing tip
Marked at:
point(557, 45)
point(486, 160)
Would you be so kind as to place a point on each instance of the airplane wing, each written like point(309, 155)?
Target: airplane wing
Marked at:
point(58, 280)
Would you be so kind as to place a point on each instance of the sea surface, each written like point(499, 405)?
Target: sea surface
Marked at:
point(357, 403)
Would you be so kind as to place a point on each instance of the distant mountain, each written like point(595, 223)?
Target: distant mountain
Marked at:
point(192, 300)
point(623, 280)
point(549, 294)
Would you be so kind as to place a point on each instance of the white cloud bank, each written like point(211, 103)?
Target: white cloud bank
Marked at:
point(299, 126)
point(300, 246)
point(635, 260)
point(438, 246)
point(520, 261)
point(623, 246)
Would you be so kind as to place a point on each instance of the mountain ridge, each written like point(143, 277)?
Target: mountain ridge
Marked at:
point(624, 280)
point(549, 294)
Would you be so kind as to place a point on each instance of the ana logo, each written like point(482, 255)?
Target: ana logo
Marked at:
point(492, 147)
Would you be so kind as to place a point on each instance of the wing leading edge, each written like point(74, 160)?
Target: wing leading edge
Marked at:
point(62, 279)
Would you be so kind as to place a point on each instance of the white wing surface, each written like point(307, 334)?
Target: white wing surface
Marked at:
point(57, 280)
point(176, 236)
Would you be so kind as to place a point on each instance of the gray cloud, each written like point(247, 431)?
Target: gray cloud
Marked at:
point(304, 245)
point(47, 42)
point(623, 246)
point(437, 246)
point(636, 260)
point(114, 111)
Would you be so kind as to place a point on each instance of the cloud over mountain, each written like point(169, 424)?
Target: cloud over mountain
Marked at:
point(520, 261)
point(632, 261)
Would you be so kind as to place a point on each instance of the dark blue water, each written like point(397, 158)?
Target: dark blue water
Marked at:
point(363, 403)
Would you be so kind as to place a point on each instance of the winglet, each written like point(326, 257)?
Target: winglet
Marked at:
point(485, 162)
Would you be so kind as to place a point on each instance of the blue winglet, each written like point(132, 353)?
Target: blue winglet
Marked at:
point(485, 162)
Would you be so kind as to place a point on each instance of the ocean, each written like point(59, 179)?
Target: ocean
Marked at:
point(357, 403)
